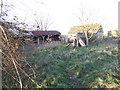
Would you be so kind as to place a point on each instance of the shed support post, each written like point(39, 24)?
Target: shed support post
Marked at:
point(38, 40)
point(43, 38)
point(48, 37)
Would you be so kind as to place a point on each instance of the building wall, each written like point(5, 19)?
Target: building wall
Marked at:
point(113, 33)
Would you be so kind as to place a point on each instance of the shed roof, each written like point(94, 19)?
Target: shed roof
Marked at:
point(44, 33)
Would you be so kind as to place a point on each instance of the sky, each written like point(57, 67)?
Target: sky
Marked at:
point(65, 13)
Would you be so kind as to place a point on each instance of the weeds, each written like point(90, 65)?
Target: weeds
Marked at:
point(78, 67)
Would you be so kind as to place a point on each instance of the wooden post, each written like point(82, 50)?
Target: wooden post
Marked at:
point(48, 37)
point(64, 40)
point(74, 42)
point(77, 40)
point(43, 38)
point(38, 40)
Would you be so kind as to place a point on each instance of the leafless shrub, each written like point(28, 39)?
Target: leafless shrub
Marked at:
point(15, 70)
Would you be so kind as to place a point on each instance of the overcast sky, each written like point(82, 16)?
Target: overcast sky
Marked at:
point(65, 13)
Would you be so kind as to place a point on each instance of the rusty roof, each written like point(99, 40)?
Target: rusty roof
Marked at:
point(44, 33)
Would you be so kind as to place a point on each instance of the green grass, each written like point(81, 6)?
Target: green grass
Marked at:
point(80, 67)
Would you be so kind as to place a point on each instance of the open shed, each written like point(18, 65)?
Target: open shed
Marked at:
point(42, 36)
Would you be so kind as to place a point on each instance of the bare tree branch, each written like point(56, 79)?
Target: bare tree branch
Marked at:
point(42, 22)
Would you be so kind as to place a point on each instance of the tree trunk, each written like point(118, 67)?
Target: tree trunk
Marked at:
point(87, 41)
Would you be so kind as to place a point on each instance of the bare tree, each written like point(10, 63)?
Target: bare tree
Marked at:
point(42, 22)
point(1, 6)
point(88, 25)
point(4, 8)
point(13, 66)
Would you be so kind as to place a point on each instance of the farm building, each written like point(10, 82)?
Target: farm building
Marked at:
point(95, 30)
point(113, 33)
point(42, 36)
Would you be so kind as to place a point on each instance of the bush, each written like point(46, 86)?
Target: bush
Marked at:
point(15, 70)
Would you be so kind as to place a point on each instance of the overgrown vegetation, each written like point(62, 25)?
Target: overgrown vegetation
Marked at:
point(95, 66)
point(14, 68)
point(58, 67)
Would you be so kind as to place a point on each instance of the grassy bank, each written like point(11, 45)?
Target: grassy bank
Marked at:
point(79, 67)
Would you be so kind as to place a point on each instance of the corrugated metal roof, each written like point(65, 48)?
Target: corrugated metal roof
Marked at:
point(44, 33)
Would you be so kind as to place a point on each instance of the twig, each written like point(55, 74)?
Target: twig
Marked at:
point(13, 61)
point(17, 72)
point(27, 75)
point(10, 75)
